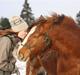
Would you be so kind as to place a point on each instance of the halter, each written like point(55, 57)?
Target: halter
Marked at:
point(47, 42)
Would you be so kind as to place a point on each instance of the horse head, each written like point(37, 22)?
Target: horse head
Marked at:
point(39, 40)
point(44, 35)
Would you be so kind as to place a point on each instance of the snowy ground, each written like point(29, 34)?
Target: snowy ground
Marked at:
point(22, 67)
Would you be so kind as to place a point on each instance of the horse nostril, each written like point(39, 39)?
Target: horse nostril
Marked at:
point(20, 56)
point(24, 59)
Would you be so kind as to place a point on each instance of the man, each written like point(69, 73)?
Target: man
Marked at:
point(7, 44)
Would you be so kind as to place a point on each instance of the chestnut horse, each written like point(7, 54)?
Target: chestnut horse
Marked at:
point(55, 44)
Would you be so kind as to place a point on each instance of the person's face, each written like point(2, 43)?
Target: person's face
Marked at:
point(22, 34)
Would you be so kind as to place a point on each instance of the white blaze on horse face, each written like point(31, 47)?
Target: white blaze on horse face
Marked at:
point(31, 32)
point(26, 38)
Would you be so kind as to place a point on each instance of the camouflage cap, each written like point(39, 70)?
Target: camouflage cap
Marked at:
point(18, 24)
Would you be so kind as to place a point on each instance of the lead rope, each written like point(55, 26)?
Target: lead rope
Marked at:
point(38, 57)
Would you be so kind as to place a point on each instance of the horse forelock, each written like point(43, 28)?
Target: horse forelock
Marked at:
point(57, 19)
point(62, 19)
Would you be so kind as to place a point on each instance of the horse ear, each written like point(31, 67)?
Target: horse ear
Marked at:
point(61, 17)
point(41, 18)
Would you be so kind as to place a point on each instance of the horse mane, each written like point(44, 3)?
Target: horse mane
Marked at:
point(55, 19)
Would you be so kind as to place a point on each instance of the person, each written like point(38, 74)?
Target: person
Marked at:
point(8, 40)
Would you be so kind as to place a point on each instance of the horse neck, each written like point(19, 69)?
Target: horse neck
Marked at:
point(65, 38)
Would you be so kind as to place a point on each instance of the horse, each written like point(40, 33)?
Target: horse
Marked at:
point(55, 44)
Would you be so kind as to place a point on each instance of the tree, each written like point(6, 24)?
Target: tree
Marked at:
point(78, 17)
point(4, 23)
point(27, 14)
